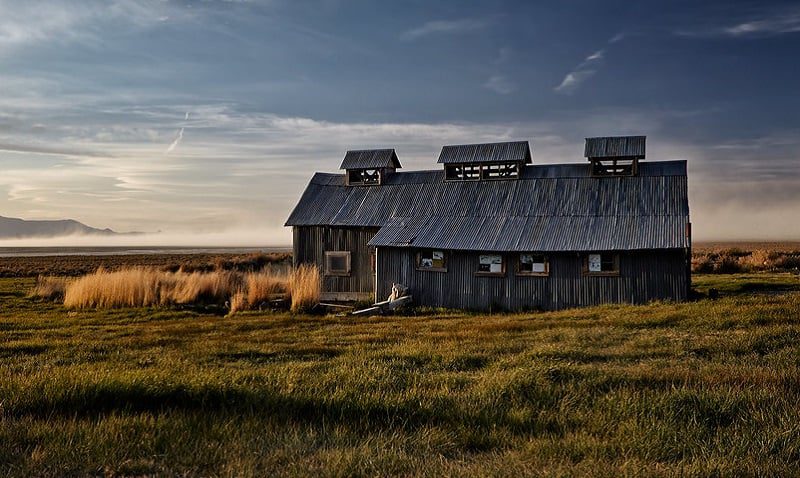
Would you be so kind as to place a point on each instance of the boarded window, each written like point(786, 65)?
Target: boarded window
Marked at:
point(533, 265)
point(461, 172)
point(337, 263)
point(501, 171)
point(363, 176)
point(605, 263)
point(491, 264)
point(431, 261)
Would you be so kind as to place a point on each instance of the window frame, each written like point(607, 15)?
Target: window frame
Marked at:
point(503, 262)
point(612, 273)
point(418, 261)
point(546, 263)
point(476, 167)
point(338, 273)
point(361, 177)
point(511, 168)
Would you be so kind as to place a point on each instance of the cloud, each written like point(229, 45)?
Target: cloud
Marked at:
point(585, 70)
point(25, 23)
point(500, 85)
point(443, 27)
point(176, 142)
point(768, 23)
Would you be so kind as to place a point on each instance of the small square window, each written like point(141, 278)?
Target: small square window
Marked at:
point(533, 265)
point(491, 264)
point(337, 263)
point(604, 263)
point(431, 261)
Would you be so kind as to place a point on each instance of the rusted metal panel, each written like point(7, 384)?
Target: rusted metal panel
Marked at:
point(311, 243)
point(644, 276)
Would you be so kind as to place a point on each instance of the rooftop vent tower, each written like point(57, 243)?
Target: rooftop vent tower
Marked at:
point(476, 162)
point(369, 167)
point(615, 155)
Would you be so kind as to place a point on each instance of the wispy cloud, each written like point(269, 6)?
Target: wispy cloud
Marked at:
point(25, 23)
point(444, 27)
point(769, 23)
point(585, 70)
point(500, 85)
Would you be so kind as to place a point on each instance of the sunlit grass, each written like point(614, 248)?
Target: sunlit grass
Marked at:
point(695, 389)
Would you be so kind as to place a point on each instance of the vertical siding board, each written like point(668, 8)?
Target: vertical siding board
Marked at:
point(644, 276)
point(311, 243)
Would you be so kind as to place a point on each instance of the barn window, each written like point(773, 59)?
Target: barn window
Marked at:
point(337, 263)
point(533, 265)
point(500, 171)
point(462, 172)
point(491, 265)
point(431, 261)
point(363, 176)
point(601, 263)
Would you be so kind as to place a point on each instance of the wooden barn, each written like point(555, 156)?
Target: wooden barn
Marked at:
point(489, 230)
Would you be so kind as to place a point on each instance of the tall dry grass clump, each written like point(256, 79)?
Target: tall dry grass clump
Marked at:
point(147, 287)
point(136, 287)
point(49, 288)
point(305, 287)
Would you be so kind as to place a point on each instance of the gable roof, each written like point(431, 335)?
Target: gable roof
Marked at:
point(549, 208)
point(615, 147)
point(486, 153)
point(370, 159)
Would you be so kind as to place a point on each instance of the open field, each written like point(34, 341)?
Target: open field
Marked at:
point(76, 265)
point(743, 257)
point(695, 389)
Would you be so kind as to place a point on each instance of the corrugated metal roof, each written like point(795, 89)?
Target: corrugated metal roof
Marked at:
point(370, 159)
point(486, 153)
point(615, 147)
point(550, 207)
point(535, 233)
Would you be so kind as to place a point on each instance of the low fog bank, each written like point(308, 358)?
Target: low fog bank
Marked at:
point(263, 237)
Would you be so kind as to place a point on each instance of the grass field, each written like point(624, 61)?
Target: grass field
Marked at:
point(695, 389)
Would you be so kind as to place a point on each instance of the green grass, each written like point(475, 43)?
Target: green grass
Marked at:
point(696, 389)
point(729, 284)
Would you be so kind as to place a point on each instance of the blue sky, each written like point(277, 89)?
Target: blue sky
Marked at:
point(210, 116)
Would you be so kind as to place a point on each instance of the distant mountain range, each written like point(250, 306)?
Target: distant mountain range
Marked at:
point(14, 228)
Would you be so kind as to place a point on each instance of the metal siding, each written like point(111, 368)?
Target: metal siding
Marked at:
point(370, 159)
point(311, 243)
point(644, 276)
point(486, 153)
point(615, 147)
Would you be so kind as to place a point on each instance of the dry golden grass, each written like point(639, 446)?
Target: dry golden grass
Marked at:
point(305, 284)
point(147, 287)
point(49, 287)
point(264, 287)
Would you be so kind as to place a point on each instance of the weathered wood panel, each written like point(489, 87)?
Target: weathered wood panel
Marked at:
point(309, 247)
point(644, 276)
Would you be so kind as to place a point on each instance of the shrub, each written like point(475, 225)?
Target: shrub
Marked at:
point(305, 287)
point(49, 288)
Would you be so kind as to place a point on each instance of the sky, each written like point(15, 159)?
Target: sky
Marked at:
point(206, 119)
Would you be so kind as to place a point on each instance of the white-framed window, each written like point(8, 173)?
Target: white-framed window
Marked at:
point(532, 264)
point(337, 263)
point(601, 264)
point(491, 265)
point(431, 260)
